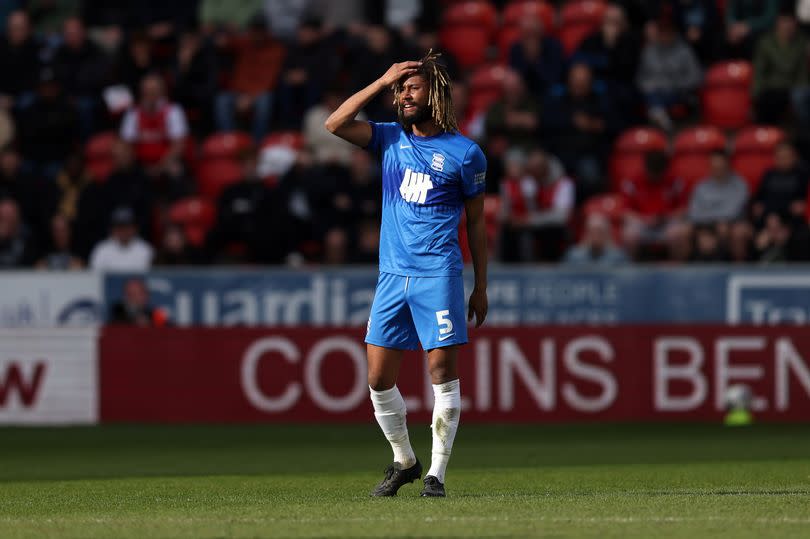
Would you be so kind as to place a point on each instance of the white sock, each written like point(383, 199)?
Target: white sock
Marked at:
point(389, 409)
point(446, 411)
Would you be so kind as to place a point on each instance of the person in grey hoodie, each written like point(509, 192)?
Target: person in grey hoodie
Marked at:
point(669, 71)
point(721, 197)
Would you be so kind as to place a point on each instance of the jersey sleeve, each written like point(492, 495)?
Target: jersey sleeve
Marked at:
point(473, 172)
point(381, 135)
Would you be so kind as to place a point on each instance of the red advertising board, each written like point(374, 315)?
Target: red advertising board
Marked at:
point(554, 374)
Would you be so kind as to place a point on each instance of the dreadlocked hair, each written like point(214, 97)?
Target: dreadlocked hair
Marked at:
point(440, 96)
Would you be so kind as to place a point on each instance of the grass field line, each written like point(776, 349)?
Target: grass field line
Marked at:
point(431, 519)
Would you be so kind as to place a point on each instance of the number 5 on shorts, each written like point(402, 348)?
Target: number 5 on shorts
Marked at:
point(445, 324)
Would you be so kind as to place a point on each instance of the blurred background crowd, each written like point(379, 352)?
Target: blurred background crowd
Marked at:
point(138, 133)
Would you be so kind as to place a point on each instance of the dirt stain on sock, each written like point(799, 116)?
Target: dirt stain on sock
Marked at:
point(442, 424)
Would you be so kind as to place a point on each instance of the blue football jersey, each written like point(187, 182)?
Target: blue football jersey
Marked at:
point(425, 181)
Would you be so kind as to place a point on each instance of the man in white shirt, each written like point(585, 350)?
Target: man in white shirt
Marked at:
point(123, 250)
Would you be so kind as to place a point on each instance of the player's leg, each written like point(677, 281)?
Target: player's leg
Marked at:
point(390, 332)
point(389, 406)
point(442, 365)
point(438, 307)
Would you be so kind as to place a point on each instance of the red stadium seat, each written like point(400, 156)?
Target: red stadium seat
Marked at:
point(627, 159)
point(486, 86)
point(98, 155)
point(293, 139)
point(516, 12)
point(467, 30)
point(727, 95)
point(225, 145)
point(753, 152)
point(691, 151)
point(195, 215)
point(213, 175)
point(577, 20)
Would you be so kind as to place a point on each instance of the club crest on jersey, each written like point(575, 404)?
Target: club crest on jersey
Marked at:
point(438, 162)
point(414, 186)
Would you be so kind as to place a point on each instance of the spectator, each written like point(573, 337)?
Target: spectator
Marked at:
point(61, 256)
point(326, 147)
point(772, 242)
point(308, 66)
point(783, 189)
point(195, 72)
point(156, 128)
point(596, 249)
point(127, 185)
point(237, 224)
point(47, 129)
point(253, 82)
point(780, 73)
point(123, 250)
point(134, 309)
point(536, 209)
point(83, 202)
point(135, 61)
point(708, 248)
point(655, 204)
point(35, 196)
point(612, 52)
point(668, 74)
point(19, 63)
point(286, 17)
point(82, 71)
point(373, 55)
point(175, 249)
point(538, 58)
point(721, 197)
point(16, 246)
point(49, 16)
point(336, 243)
point(356, 196)
point(515, 118)
point(232, 17)
point(579, 123)
point(746, 20)
point(470, 121)
point(698, 22)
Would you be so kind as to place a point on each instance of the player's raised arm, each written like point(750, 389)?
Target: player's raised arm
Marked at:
point(342, 122)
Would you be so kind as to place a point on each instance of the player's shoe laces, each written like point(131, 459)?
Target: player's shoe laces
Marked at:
point(433, 489)
point(395, 477)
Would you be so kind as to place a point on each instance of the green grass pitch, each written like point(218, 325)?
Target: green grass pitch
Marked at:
point(599, 481)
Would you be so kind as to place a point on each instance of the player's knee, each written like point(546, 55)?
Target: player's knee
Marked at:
point(378, 382)
point(441, 374)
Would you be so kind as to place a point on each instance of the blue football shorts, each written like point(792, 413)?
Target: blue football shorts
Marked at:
point(408, 311)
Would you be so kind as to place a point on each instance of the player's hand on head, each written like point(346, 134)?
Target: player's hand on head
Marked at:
point(478, 306)
point(397, 71)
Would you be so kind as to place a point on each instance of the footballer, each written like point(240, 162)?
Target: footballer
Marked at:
point(429, 172)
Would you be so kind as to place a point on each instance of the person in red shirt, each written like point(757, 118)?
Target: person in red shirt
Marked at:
point(656, 203)
point(156, 128)
point(537, 206)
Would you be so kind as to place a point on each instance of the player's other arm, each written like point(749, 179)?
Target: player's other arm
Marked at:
point(342, 122)
point(477, 240)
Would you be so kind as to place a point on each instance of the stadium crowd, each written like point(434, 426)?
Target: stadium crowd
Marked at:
point(141, 133)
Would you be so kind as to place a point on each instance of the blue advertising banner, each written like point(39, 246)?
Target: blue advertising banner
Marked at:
point(524, 296)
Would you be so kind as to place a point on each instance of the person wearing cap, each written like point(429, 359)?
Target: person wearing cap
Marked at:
point(123, 250)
